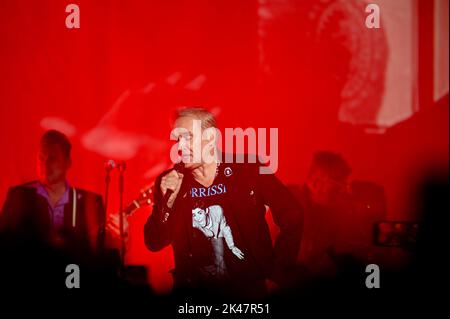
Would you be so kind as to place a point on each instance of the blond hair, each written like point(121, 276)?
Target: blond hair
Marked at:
point(198, 112)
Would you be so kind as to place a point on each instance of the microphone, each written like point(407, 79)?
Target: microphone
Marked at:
point(110, 165)
point(179, 167)
point(121, 166)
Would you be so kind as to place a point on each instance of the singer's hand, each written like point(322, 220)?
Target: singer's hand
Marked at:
point(171, 180)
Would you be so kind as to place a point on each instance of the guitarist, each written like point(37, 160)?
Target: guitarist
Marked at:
point(48, 221)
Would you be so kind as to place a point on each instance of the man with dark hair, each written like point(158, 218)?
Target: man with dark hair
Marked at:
point(324, 198)
point(327, 177)
point(54, 137)
point(48, 221)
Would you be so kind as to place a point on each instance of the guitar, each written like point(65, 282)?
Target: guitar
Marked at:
point(113, 224)
point(145, 199)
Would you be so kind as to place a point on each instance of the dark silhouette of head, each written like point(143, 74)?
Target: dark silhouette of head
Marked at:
point(53, 160)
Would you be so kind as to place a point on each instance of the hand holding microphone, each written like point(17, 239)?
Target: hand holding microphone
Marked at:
point(171, 184)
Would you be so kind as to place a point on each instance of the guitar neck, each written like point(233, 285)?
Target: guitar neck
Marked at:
point(131, 207)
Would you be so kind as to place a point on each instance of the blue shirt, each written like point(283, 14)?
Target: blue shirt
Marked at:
point(56, 212)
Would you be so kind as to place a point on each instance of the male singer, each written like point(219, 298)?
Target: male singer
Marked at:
point(213, 214)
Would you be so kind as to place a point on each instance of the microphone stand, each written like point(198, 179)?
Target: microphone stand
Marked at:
point(107, 183)
point(121, 166)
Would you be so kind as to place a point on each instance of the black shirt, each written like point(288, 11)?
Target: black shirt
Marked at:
point(237, 199)
point(213, 242)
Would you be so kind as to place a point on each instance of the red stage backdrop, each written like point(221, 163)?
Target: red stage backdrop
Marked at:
point(312, 69)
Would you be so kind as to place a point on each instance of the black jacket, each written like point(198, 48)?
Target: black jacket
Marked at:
point(25, 221)
point(249, 192)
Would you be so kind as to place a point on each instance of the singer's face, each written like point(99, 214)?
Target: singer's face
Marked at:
point(52, 164)
point(190, 142)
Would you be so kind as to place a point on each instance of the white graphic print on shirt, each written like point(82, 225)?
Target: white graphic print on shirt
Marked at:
point(212, 223)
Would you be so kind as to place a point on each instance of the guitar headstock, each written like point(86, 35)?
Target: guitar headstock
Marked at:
point(146, 197)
